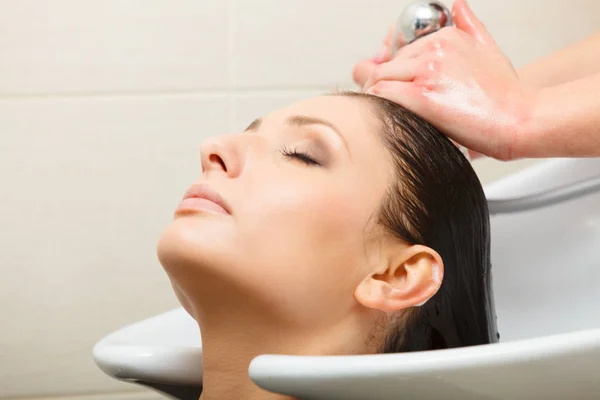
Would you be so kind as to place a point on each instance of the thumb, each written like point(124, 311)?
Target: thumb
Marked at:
point(466, 21)
point(363, 70)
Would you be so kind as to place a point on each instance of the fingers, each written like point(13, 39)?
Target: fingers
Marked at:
point(466, 21)
point(421, 58)
point(388, 37)
point(385, 53)
point(436, 44)
point(363, 71)
point(396, 70)
point(405, 94)
point(395, 40)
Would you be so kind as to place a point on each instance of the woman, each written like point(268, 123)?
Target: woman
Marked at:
point(342, 224)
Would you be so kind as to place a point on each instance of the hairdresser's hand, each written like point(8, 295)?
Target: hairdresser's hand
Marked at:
point(460, 81)
point(363, 69)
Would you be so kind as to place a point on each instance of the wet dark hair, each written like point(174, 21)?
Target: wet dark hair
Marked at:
point(437, 201)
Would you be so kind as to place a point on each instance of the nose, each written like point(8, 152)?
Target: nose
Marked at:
point(221, 155)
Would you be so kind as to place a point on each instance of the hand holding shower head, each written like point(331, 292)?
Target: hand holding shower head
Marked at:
point(420, 18)
point(423, 17)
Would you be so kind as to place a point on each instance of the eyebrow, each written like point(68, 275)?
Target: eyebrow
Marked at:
point(303, 120)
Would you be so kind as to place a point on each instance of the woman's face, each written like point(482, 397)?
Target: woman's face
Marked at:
point(302, 188)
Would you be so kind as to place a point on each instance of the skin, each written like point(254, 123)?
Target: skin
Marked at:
point(461, 82)
point(296, 268)
point(580, 60)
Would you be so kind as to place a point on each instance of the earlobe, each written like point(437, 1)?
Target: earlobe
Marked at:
point(411, 278)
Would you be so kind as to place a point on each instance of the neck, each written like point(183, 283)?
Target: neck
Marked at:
point(226, 355)
point(225, 376)
point(231, 340)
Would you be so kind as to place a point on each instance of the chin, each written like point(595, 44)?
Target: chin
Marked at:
point(192, 249)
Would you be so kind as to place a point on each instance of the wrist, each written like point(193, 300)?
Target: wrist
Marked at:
point(527, 128)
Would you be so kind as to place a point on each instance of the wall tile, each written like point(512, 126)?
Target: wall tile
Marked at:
point(67, 46)
point(88, 185)
point(305, 43)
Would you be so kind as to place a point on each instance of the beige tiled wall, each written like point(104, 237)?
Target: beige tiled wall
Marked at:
point(103, 105)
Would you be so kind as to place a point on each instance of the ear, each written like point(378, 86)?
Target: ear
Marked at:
point(409, 279)
point(466, 21)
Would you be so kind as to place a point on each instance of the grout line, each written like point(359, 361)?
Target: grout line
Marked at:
point(232, 112)
point(177, 92)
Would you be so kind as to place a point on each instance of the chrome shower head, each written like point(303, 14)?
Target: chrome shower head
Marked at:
point(418, 19)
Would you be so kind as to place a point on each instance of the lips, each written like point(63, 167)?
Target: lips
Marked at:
point(201, 197)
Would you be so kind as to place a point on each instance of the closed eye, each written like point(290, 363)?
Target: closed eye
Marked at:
point(302, 157)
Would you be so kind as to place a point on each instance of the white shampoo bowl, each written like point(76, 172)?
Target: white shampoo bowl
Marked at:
point(546, 274)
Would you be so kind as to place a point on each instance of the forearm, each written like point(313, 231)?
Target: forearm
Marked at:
point(575, 62)
point(565, 122)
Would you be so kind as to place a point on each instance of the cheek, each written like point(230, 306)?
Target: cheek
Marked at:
point(306, 212)
point(306, 236)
